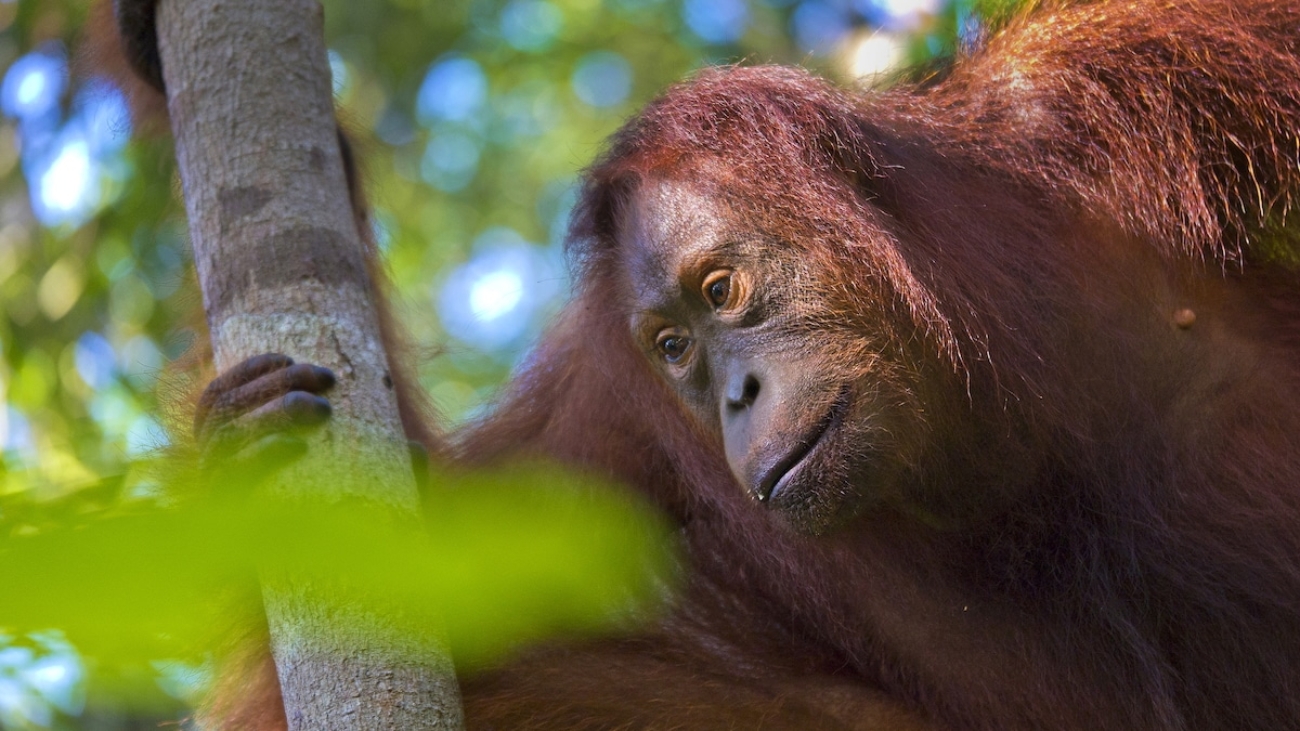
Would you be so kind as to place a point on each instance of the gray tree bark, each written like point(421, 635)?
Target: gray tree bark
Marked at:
point(282, 270)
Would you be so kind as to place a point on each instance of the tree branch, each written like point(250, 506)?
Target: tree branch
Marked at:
point(283, 270)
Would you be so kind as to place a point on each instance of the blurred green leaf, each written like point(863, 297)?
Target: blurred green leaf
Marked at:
point(507, 556)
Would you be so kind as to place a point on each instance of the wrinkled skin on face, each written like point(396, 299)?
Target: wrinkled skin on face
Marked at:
point(819, 413)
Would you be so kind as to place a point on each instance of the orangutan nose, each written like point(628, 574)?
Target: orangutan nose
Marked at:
point(742, 391)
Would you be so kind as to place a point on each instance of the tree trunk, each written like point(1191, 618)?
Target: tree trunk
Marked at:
point(282, 270)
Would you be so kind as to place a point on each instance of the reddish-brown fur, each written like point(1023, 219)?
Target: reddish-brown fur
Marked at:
point(1024, 232)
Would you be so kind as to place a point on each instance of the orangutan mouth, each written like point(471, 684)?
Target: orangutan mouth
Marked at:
point(780, 476)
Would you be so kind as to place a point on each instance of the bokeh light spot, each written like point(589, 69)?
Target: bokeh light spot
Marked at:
point(450, 161)
point(819, 26)
point(141, 361)
point(52, 676)
point(60, 287)
point(64, 183)
point(453, 89)
point(602, 79)
point(32, 85)
point(495, 294)
point(494, 299)
point(338, 74)
point(15, 433)
point(530, 25)
point(904, 7)
point(66, 189)
point(95, 359)
point(103, 117)
point(716, 21)
point(183, 681)
point(145, 435)
point(876, 54)
point(900, 15)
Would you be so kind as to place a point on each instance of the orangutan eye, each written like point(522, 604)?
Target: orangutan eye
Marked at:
point(673, 346)
point(717, 289)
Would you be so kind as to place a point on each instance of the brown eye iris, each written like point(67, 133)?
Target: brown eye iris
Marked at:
point(673, 347)
point(717, 289)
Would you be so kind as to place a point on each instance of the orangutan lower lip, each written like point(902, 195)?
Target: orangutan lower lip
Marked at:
point(776, 478)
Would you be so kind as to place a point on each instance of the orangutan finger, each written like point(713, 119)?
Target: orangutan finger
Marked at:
point(266, 390)
point(246, 371)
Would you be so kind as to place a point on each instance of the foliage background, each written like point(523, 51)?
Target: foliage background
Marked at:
point(474, 117)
